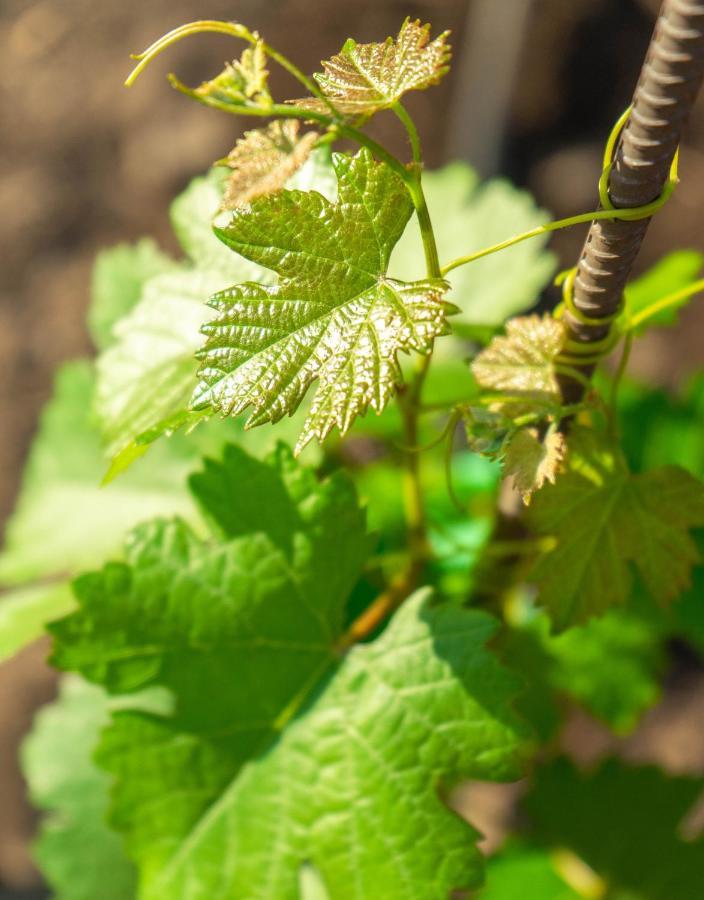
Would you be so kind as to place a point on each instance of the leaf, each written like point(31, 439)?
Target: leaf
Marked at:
point(365, 78)
point(63, 521)
point(119, 274)
point(521, 870)
point(604, 519)
point(659, 427)
point(468, 215)
point(264, 159)
point(280, 754)
point(531, 461)
point(625, 823)
point(672, 274)
point(240, 82)
point(25, 611)
point(611, 667)
point(148, 374)
point(192, 215)
point(522, 361)
point(333, 316)
point(79, 855)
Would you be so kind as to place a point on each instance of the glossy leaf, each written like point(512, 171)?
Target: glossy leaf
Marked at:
point(364, 78)
point(334, 315)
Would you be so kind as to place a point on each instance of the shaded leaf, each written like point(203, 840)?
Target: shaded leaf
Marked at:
point(522, 361)
point(364, 78)
point(604, 520)
point(80, 856)
point(531, 461)
point(611, 666)
point(333, 316)
point(623, 821)
point(264, 159)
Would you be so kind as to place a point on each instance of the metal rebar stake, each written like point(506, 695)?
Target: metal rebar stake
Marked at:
point(667, 88)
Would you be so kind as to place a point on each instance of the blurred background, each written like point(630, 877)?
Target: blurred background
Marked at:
point(84, 163)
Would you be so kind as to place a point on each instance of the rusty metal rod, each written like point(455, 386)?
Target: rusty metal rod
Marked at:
point(669, 82)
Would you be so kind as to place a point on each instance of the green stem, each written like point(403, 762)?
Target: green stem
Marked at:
point(410, 127)
point(581, 219)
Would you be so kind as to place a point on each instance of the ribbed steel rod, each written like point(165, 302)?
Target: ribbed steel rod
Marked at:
point(667, 88)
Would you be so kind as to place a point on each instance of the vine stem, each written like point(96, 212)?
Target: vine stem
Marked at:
point(410, 399)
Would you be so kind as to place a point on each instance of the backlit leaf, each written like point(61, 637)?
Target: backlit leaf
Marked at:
point(334, 315)
point(364, 78)
point(606, 520)
point(522, 361)
point(531, 460)
point(264, 159)
point(240, 82)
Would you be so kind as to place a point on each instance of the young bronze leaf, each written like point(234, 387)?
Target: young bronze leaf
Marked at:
point(522, 361)
point(605, 520)
point(243, 81)
point(264, 159)
point(333, 316)
point(532, 461)
point(364, 78)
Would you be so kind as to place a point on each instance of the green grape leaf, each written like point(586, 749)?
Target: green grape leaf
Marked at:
point(528, 872)
point(522, 362)
point(80, 856)
point(25, 611)
point(671, 275)
point(611, 666)
point(264, 159)
point(192, 214)
point(119, 275)
point(604, 520)
point(241, 82)
point(468, 215)
point(625, 823)
point(334, 316)
point(531, 460)
point(63, 521)
point(147, 375)
point(243, 633)
point(365, 78)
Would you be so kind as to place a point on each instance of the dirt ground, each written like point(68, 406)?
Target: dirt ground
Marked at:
point(85, 163)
